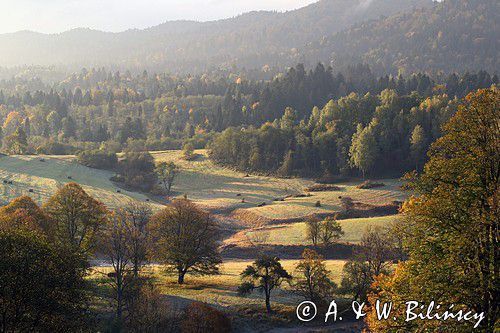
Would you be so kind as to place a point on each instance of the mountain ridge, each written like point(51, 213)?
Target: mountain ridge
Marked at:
point(249, 40)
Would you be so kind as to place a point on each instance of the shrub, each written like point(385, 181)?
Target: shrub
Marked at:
point(323, 187)
point(138, 171)
point(203, 318)
point(148, 310)
point(98, 159)
point(188, 152)
point(347, 203)
point(369, 184)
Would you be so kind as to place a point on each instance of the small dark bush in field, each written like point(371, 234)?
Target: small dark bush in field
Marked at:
point(42, 160)
point(300, 195)
point(323, 187)
point(138, 171)
point(369, 184)
point(98, 159)
point(330, 179)
point(318, 204)
point(31, 190)
point(188, 152)
point(238, 195)
point(118, 191)
point(347, 203)
point(69, 177)
point(201, 317)
point(262, 204)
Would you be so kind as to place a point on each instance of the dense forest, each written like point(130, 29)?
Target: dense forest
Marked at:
point(304, 121)
point(390, 36)
point(450, 35)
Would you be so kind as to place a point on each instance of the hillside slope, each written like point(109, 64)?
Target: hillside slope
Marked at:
point(251, 199)
point(454, 35)
point(252, 40)
point(40, 176)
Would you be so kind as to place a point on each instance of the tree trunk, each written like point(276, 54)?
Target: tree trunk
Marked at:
point(136, 268)
point(268, 302)
point(180, 279)
point(119, 305)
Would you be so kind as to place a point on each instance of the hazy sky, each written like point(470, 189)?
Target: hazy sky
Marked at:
point(116, 15)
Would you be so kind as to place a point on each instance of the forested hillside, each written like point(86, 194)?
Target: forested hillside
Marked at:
point(251, 40)
point(452, 35)
point(391, 36)
point(308, 118)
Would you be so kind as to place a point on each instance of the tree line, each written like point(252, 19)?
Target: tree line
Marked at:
point(374, 135)
point(97, 109)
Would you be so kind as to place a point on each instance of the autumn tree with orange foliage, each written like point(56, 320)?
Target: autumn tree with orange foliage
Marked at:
point(23, 212)
point(451, 226)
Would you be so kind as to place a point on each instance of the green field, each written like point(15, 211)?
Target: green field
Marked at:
point(221, 289)
point(44, 178)
point(219, 189)
point(295, 233)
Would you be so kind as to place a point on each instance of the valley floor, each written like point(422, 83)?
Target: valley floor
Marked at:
point(258, 213)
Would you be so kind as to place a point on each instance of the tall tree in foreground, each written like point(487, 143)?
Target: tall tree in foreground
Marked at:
point(265, 275)
point(187, 239)
point(117, 249)
point(451, 229)
point(138, 216)
point(24, 213)
point(313, 282)
point(41, 287)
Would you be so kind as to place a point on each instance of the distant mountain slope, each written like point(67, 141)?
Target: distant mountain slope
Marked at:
point(251, 40)
point(454, 35)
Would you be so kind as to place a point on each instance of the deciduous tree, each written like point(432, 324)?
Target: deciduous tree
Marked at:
point(77, 216)
point(312, 281)
point(187, 239)
point(451, 224)
point(265, 275)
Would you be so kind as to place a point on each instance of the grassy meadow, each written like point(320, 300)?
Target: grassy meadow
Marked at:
point(295, 233)
point(233, 196)
point(214, 187)
point(223, 189)
point(43, 175)
point(222, 289)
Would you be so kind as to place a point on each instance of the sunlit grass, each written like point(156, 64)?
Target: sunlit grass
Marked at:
point(221, 290)
point(296, 233)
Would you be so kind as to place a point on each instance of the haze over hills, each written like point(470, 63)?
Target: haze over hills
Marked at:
point(251, 40)
point(389, 35)
point(454, 35)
